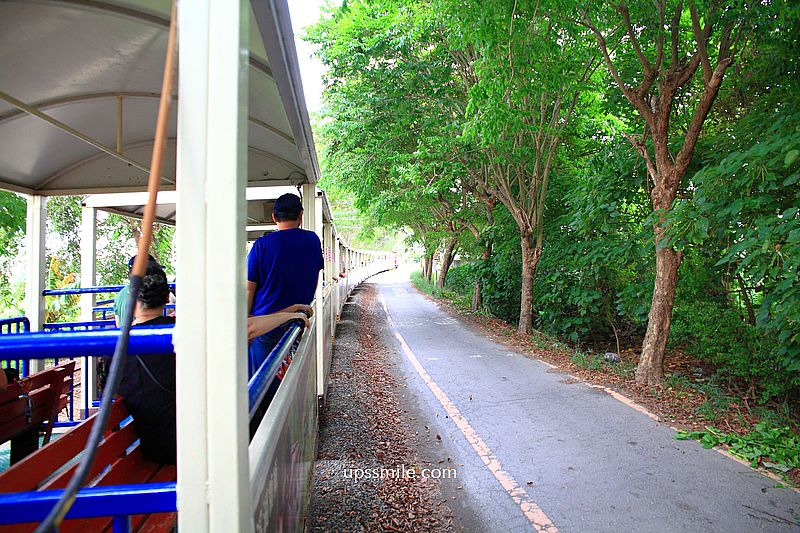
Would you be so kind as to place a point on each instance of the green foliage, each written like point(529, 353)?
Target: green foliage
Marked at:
point(430, 105)
point(64, 227)
point(500, 274)
point(426, 286)
point(587, 360)
point(66, 307)
point(745, 211)
point(719, 335)
point(460, 279)
point(12, 213)
point(12, 230)
point(777, 448)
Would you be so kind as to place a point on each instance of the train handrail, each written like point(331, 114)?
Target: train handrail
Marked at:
point(18, 321)
point(70, 326)
point(259, 383)
point(112, 500)
point(89, 290)
point(98, 342)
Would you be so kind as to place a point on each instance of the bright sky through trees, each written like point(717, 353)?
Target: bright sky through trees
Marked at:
point(304, 13)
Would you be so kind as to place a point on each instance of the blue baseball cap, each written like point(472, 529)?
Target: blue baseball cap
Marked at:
point(287, 204)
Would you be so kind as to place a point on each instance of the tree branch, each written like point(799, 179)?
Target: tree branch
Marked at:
point(640, 147)
point(635, 99)
point(622, 8)
point(674, 29)
point(710, 92)
point(701, 37)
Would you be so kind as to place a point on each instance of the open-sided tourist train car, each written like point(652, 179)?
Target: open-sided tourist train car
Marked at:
point(79, 94)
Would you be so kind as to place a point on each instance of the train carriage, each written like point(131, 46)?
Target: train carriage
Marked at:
point(79, 94)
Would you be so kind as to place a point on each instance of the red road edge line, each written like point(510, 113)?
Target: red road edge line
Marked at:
point(532, 512)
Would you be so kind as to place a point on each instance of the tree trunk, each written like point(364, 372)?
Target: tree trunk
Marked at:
point(651, 365)
point(477, 301)
point(428, 267)
point(530, 258)
point(751, 315)
point(447, 260)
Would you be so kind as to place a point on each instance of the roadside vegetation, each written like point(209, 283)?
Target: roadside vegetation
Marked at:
point(116, 235)
point(624, 176)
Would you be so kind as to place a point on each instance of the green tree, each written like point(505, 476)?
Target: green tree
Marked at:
point(529, 70)
point(654, 57)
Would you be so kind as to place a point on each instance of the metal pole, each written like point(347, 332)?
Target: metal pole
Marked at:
point(36, 227)
point(319, 308)
point(88, 279)
point(120, 117)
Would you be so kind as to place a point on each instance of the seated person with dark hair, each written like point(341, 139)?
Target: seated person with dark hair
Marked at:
point(148, 383)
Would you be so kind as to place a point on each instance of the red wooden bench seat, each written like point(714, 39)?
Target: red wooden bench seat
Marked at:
point(118, 462)
point(20, 421)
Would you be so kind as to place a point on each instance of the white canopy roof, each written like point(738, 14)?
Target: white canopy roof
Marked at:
point(79, 84)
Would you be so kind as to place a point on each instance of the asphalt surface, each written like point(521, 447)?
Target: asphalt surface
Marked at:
point(536, 450)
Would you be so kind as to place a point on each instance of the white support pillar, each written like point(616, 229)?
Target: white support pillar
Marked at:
point(309, 210)
point(36, 229)
point(88, 279)
point(337, 268)
point(210, 336)
point(319, 308)
point(328, 245)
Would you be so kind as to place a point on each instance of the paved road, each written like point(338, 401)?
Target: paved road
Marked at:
point(540, 452)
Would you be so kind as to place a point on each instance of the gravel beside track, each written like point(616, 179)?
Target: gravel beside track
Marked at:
point(362, 427)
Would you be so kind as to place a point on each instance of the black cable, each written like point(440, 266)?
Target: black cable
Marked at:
point(62, 507)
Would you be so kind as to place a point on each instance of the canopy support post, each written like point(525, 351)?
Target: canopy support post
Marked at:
point(35, 232)
point(88, 279)
point(211, 335)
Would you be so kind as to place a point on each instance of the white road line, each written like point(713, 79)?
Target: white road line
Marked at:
point(534, 514)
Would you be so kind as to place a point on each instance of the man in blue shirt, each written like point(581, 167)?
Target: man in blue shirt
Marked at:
point(282, 271)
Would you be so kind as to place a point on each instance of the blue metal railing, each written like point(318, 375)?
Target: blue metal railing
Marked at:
point(83, 290)
point(118, 501)
point(106, 313)
point(78, 326)
point(99, 342)
point(262, 378)
point(14, 326)
point(89, 290)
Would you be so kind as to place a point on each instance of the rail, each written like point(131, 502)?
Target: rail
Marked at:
point(262, 378)
point(41, 345)
point(100, 289)
point(15, 326)
point(118, 501)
